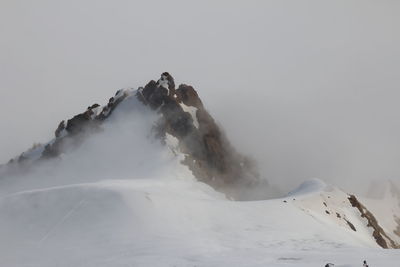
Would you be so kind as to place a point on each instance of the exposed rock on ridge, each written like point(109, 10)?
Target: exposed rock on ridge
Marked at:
point(208, 153)
point(382, 239)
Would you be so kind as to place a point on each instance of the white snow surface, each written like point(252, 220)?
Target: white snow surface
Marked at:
point(193, 112)
point(124, 199)
point(311, 186)
point(168, 222)
point(330, 206)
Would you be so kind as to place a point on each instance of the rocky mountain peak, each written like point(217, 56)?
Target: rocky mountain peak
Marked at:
point(209, 154)
point(207, 151)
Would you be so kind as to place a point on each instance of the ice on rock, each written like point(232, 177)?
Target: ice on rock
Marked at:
point(193, 112)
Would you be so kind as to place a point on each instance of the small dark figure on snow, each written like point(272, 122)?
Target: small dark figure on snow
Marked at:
point(329, 265)
point(365, 264)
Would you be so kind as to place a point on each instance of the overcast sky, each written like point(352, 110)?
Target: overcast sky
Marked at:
point(309, 88)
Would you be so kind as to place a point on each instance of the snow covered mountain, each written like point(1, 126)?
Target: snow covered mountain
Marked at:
point(151, 180)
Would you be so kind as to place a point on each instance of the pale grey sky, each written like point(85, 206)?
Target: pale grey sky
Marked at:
point(309, 88)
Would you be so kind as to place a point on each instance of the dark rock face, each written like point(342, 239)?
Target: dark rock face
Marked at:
point(59, 129)
point(81, 121)
point(208, 153)
point(351, 225)
point(187, 95)
point(77, 123)
point(382, 239)
point(210, 156)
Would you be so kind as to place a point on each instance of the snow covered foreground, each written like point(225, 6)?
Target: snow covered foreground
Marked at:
point(122, 200)
point(171, 222)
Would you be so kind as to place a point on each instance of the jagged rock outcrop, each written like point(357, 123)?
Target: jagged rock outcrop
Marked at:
point(382, 239)
point(60, 129)
point(387, 192)
point(208, 153)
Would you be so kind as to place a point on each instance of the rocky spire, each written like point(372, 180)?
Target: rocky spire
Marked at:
point(208, 152)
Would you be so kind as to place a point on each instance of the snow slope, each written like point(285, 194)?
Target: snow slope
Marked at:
point(124, 199)
point(172, 222)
